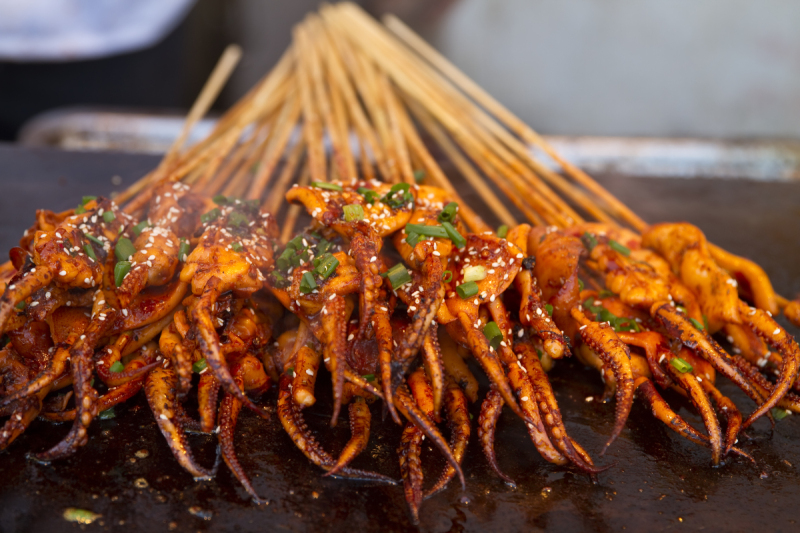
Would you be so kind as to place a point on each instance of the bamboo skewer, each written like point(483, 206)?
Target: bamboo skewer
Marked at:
point(311, 122)
point(274, 199)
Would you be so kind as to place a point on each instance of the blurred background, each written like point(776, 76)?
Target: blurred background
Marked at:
point(605, 77)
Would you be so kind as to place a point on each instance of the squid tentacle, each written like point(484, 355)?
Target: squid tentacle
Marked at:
point(81, 366)
point(228, 415)
point(491, 408)
point(769, 330)
point(209, 343)
point(207, 394)
point(160, 390)
point(615, 354)
point(550, 412)
point(294, 425)
point(662, 411)
point(726, 407)
point(455, 402)
point(360, 417)
point(688, 382)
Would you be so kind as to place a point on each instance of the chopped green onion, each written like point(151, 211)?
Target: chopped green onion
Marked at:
point(581, 286)
point(391, 198)
point(502, 231)
point(419, 176)
point(626, 324)
point(301, 258)
point(307, 283)
point(326, 265)
point(474, 273)
point(493, 334)
point(81, 516)
point(220, 199)
point(124, 249)
point(624, 250)
point(237, 247)
point(369, 377)
point(780, 414)
point(325, 185)
point(606, 294)
point(138, 228)
point(183, 250)
point(89, 251)
point(280, 281)
point(696, 323)
point(428, 231)
point(21, 305)
point(296, 243)
point(447, 276)
point(211, 216)
point(284, 260)
point(80, 210)
point(109, 217)
point(539, 353)
point(86, 199)
point(199, 366)
point(588, 240)
point(549, 309)
point(117, 367)
point(680, 365)
point(449, 213)
point(237, 219)
point(398, 275)
point(121, 270)
point(369, 195)
point(290, 371)
point(108, 414)
point(454, 235)
point(353, 212)
point(93, 239)
point(705, 322)
point(324, 246)
point(412, 238)
point(465, 290)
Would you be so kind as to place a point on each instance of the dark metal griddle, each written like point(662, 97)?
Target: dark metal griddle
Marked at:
point(659, 483)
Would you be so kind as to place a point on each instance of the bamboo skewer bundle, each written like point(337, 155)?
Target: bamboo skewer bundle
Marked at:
point(362, 97)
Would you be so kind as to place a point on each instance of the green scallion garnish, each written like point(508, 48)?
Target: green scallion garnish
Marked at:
point(353, 212)
point(117, 367)
point(89, 251)
point(138, 228)
point(779, 414)
point(183, 250)
point(109, 217)
point(121, 270)
point(211, 216)
point(86, 199)
point(369, 195)
point(307, 283)
point(454, 235)
point(395, 200)
point(680, 365)
point(325, 265)
point(237, 219)
point(502, 231)
point(237, 247)
point(588, 240)
point(447, 276)
point(220, 199)
point(468, 289)
point(124, 249)
point(80, 210)
point(398, 275)
point(614, 245)
point(493, 334)
point(93, 239)
point(327, 186)
point(199, 366)
point(696, 323)
point(428, 231)
point(474, 273)
point(412, 238)
point(419, 176)
point(21, 305)
point(549, 309)
point(369, 377)
point(449, 213)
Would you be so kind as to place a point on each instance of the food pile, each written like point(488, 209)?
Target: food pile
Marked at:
point(186, 286)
